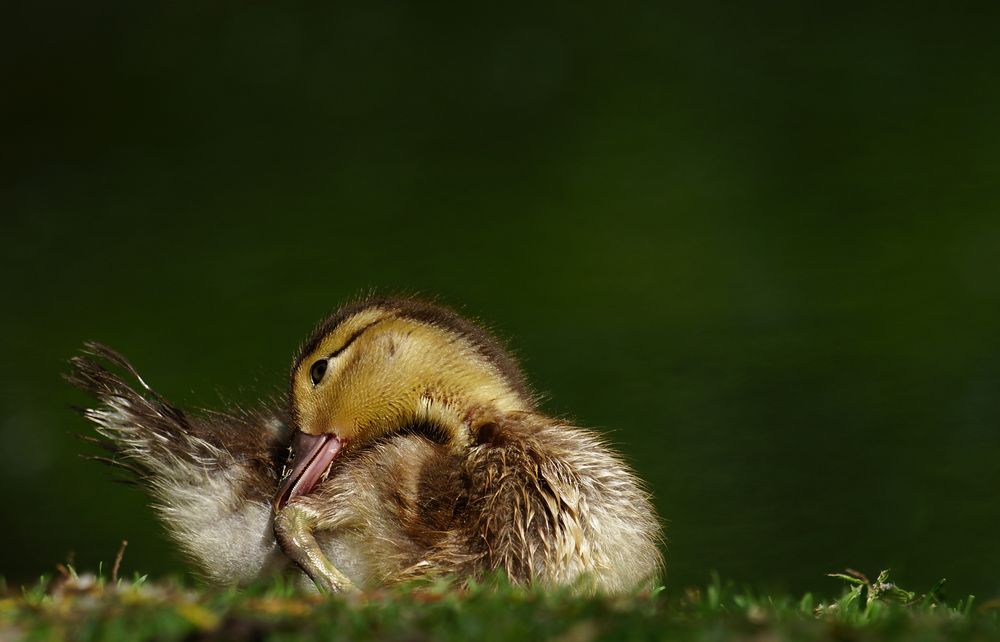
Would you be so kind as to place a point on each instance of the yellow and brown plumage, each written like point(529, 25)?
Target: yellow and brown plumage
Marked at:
point(410, 448)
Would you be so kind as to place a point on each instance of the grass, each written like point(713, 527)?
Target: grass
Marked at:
point(91, 607)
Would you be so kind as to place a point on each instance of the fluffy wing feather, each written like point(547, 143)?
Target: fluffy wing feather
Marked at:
point(211, 475)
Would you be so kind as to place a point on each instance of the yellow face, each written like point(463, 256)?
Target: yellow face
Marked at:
point(377, 372)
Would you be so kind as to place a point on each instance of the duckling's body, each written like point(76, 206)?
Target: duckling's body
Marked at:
point(415, 452)
point(523, 500)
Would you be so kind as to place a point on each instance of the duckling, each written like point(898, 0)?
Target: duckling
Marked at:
point(414, 450)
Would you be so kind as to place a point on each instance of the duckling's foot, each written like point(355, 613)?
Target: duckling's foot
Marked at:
point(293, 528)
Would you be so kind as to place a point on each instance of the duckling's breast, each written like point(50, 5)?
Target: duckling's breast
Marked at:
point(351, 552)
point(384, 512)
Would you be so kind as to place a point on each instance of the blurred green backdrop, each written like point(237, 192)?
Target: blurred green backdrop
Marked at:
point(759, 245)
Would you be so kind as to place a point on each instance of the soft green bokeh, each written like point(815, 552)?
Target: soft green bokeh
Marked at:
point(759, 246)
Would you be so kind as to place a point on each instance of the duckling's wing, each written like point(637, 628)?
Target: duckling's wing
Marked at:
point(212, 475)
point(153, 438)
point(555, 503)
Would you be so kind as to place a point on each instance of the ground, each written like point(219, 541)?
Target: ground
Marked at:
point(81, 606)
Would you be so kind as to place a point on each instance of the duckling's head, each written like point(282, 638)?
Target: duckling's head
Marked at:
point(382, 366)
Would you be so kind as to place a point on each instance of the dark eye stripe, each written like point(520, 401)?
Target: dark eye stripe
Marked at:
point(351, 339)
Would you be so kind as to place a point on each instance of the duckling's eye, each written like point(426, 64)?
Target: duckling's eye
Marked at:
point(317, 371)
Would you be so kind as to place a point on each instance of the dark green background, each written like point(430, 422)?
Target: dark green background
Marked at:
point(759, 245)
